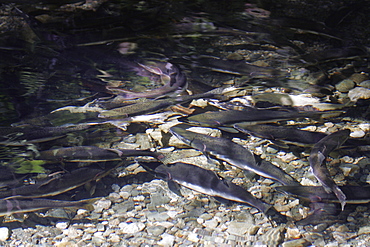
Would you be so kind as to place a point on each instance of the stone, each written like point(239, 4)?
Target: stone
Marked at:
point(239, 228)
point(101, 205)
point(357, 134)
point(4, 233)
point(295, 243)
point(359, 93)
point(345, 85)
point(365, 84)
point(364, 230)
point(167, 240)
point(131, 227)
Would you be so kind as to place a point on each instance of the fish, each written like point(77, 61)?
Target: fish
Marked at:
point(150, 106)
point(354, 194)
point(176, 83)
point(317, 157)
point(291, 134)
point(56, 185)
point(248, 114)
point(231, 152)
point(90, 154)
point(288, 134)
point(18, 136)
point(236, 67)
point(15, 206)
point(206, 182)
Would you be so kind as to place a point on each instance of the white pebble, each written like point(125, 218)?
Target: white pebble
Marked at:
point(61, 225)
point(131, 227)
point(357, 134)
point(4, 233)
point(167, 240)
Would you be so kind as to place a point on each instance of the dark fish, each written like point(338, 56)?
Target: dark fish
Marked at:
point(207, 182)
point(90, 153)
point(232, 153)
point(317, 157)
point(175, 83)
point(11, 135)
point(290, 134)
point(249, 114)
point(13, 206)
point(236, 67)
point(354, 194)
point(55, 186)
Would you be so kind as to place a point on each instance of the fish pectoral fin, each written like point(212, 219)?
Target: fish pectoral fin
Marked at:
point(174, 187)
point(225, 181)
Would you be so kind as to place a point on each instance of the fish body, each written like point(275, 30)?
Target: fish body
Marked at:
point(354, 194)
point(150, 106)
point(249, 114)
point(54, 186)
point(13, 206)
point(90, 153)
point(232, 153)
point(207, 182)
point(176, 83)
point(289, 134)
point(317, 157)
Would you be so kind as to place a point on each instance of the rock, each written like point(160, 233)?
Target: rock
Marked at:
point(131, 227)
point(365, 84)
point(364, 230)
point(4, 233)
point(349, 169)
point(101, 205)
point(155, 230)
point(357, 134)
point(239, 228)
point(359, 93)
point(358, 78)
point(167, 240)
point(295, 243)
point(212, 223)
point(345, 85)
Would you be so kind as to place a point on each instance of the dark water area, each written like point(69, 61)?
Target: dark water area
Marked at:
point(99, 84)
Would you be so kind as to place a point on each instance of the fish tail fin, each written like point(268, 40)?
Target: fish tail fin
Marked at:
point(341, 196)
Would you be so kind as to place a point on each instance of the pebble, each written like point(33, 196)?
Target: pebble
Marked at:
point(295, 243)
point(358, 77)
point(365, 84)
point(359, 93)
point(239, 228)
point(345, 85)
point(101, 205)
point(364, 230)
point(131, 227)
point(4, 233)
point(167, 240)
point(357, 134)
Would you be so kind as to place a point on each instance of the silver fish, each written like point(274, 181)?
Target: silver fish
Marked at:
point(317, 157)
point(249, 114)
point(13, 206)
point(207, 182)
point(232, 153)
point(90, 153)
point(54, 186)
